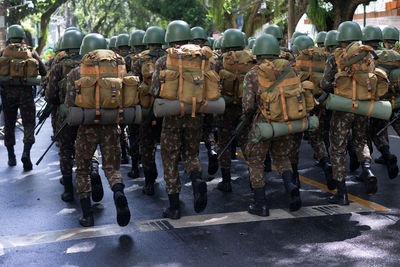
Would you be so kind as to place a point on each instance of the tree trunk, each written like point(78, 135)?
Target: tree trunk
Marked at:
point(249, 30)
point(345, 14)
point(291, 19)
point(3, 28)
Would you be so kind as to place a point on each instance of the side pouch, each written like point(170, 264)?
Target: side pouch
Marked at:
point(192, 88)
point(212, 85)
point(308, 94)
point(145, 97)
point(110, 92)
point(130, 91)
point(316, 78)
point(4, 66)
point(17, 67)
point(272, 105)
point(366, 85)
point(32, 67)
point(169, 84)
point(382, 85)
point(227, 80)
point(85, 92)
point(344, 85)
point(295, 104)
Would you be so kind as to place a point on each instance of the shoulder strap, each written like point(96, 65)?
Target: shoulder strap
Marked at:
point(280, 77)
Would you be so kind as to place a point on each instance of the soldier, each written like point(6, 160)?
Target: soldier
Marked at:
point(343, 122)
point(236, 62)
point(179, 134)
point(150, 127)
point(330, 42)
point(372, 36)
point(137, 47)
point(266, 48)
point(123, 47)
point(320, 40)
point(55, 94)
point(16, 94)
point(200, 38)
point(390, 36)
point(112, 45)
point(87, 140)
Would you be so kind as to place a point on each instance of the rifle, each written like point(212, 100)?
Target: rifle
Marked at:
point(250, 115)
point(44, 115)
point(396, 116)
point(318, 103)
point(56, 136)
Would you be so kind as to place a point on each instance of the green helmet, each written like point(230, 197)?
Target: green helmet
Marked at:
point(250, 38)
point(274, 30)
point(303, 42)
point(233, 38)
point(210, 41)
point(72, 29)
point(390, 33)
point(108, 43)
point(251, 43)
point(57, 45)
point(154, 35)
point(349, 31)
point(122, 40)
point(15, 32)
point(245, 38)
point(321, 37)
point(371, 33)
point(218, 42)
point(113, 40)
point(136, 38)
point(60, 43)
point(71, 40)
point(295, 49)
point(330, 39)
point(198, 33)
point(178, 30)
point(266, 44)
point(91, 42)
point(295, 35)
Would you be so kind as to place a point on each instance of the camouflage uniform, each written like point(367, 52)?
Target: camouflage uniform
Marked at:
point(179, 134)
point(16, 97)
point(88, 137)
point(255, 152)
point(341, 125)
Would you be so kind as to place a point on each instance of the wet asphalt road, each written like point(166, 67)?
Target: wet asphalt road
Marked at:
point(39, 229)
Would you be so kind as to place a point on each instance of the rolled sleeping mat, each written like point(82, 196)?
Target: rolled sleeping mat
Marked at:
point(268, 130)
point(30, 81)
point(77, 116)
point(379, 109)
point(165, 108)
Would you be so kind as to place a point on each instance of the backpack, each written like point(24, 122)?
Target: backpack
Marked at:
point(357, 77)
point(311, 63)
point(147, 70)
point(104, 83)
point(236, 65)
point(287, 101)
point(17, 62)
point(68, 64)
point(188, 77)
point(389, 63)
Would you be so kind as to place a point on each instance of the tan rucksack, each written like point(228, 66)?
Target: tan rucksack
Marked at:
point(104, 83)
point(147, 70)
point(389, 62)
point(17, 62)
point(311, 63)
point(236, 65)
point(189, 78)
point(287, 101)
point(69, 63)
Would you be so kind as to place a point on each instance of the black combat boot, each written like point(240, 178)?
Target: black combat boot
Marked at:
point(95, 181)
point(121, 204)
point(292, 190)
point(11, 156)
point(87, 219)
point(233, 150)
point(134, 173)
point(225, 185)
point(124, 153)
point(212, 158)
point(259, 207)
point(68, 195)
point(150, 178)
point(327, 168)
point(296, 178)
point(390, 162)
point(380, 160)
point(26, 157)
point(267, 163)
point(174, 210)
point(199, 191)
point(340, 197)
point(368, 178)
point(354, 163)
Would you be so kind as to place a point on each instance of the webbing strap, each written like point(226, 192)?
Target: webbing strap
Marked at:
point(371, 107)
point(283, 100)
point(354, 104)
point(181, 85)
point(193, 106)
point(303, 124)
point(289, 124)
point(120, 70)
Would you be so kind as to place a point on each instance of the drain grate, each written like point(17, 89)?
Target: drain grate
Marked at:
point(159, 225)
point(327, 210)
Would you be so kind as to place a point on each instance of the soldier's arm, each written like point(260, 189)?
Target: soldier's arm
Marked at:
point(42, 67)
point(218, 65)
point(250, 88)
point(52, 90)
point(155, 83)
point(137, 69)
point(128, 63)
point(329, 75)
point(70, 95)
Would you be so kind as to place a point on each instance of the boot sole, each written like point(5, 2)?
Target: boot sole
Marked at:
point(258, 212)
point(123, 212)
point(335, 201)
point(97, 187)
point(167, 214)
point(86, 222)
point(200, 196)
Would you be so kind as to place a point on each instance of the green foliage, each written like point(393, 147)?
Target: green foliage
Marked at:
point(319, 13)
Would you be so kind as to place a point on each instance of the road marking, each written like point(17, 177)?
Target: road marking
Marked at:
point(167, 224)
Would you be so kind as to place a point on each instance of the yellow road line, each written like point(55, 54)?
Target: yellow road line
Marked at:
point(363, 202)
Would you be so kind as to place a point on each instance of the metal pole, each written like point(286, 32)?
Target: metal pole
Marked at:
point(365, 14)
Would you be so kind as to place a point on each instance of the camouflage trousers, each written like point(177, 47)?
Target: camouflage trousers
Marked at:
point(22, 98)
point(67, 149)
point(396, 127)
point(341, 125)
point(54, 118)
point(226, 125)
point(318, 137)
point(134, 141)
point(123, 138)
point(149, 133)
point(180, 134)
point(295, 147)
point(375, 125)
point(88, 137)
point(279, 149)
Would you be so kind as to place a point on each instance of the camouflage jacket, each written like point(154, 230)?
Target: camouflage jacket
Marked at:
point(161, 64)
point(251, 92)
point(72, 76)
point(52, 89)
point(152, 55)
point(327, 82)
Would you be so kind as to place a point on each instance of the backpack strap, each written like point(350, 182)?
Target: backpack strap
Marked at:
point(120, 71)
point(97, 70)
point(203, 84)
point(180, 86)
